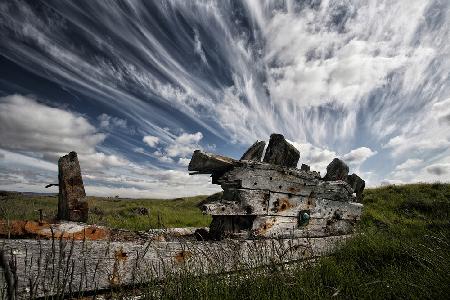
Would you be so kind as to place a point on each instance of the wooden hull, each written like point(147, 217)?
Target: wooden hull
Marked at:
point(56, 267)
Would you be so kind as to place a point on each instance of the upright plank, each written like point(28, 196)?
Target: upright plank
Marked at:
point(72, 205)
point(255, 151)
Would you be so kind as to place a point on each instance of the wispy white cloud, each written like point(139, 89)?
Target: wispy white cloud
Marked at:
point(199, 48)
point(410, 163)
point(426, 133)
point(150, 140)
point(183, 161)
point(318, 158)
point(184, 144)
point(359, 155)
point(109, 122)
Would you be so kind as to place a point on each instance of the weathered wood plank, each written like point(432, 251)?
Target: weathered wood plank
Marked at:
point(239, 202)
point(49, 267)
point(251, 169)
point(280, 152)
point(290, 205)
point(224, 208)
point(357, 185)
point(282, 227)
point(208, 162)
point(277, 182)
point(334, 190)
point(336, 170)
point(255, 151)
point(284, 180)
point(72, 204)
point(341, 210)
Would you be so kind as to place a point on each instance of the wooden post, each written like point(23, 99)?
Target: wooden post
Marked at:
point(72, 205)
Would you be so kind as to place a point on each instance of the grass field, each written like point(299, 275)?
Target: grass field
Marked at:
point(402, 250)
point(115, 213)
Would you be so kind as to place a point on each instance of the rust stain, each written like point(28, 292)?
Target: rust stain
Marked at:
point(266, 226)
point(35, 227)
point(90, 233)
point(115, 278)
point(13, 228)
point(182, 256)
point(21, 228)
point(282, 204)
point(293, 190)
point(311, 201)
point(159, 238)
point(120, 255)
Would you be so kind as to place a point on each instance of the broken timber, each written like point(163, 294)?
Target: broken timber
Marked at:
point(69, 267)
point(274, 199)
point(72, 205)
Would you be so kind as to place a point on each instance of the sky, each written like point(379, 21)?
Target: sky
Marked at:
point(134, 87)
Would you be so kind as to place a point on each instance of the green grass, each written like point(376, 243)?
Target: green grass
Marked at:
point(115, 213)
point(180, 212)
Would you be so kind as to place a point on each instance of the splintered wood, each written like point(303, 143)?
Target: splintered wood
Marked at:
point(275, 199)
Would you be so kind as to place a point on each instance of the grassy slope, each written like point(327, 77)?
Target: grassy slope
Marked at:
point(116, 213)
point(402, 251)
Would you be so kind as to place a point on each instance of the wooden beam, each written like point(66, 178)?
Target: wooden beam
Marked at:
point(285, 227)
point(284, 180)
point(208, 163)
point(239, 202)
point(58, 267)
point(290, 206)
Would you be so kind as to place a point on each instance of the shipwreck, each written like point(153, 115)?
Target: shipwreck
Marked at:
point(270, 212)
point(270, 198)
